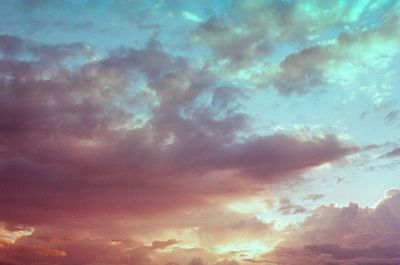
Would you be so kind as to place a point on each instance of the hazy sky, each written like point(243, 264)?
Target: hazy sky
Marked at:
point(199, 132)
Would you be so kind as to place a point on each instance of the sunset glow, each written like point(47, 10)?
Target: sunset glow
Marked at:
point(212, 132)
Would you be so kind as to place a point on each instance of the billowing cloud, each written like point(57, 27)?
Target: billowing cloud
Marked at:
point(67, 134)
point(331, 62)
point(247, 35)
point(348, 235)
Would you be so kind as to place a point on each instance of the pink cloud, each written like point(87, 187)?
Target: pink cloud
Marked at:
point(348, 235)
point(70, 146)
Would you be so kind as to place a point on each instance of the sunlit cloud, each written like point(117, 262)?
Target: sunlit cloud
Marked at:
point(199, 133)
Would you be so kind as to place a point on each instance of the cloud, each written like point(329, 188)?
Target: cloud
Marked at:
point(231, 227)
point(330, 63)
point(196, 261)
point(392, 116)
point(69, 133)
point(245, 35)
point(346, 235)
point(236, 44)
point(340, 253)
point(314, 197)
point(286, 207)
point(130, 155)
point(301, 71)
point(13, 46)
point(391, 154)
point(163, 244)
point(335, 62)
point(263, 261)
point(34, 250)
point(16, 254)
point(227, 262)
point(80, 158)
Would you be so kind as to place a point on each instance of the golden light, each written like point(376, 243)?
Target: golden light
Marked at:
point(251, 249)
point(14, 235)
point(252, 205)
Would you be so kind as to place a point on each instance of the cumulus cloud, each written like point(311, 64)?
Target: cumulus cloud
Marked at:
point(326, 51)
point(245, 36)
point(330, 63)
point(78, 153)
point(347, 235)
point(67, 134)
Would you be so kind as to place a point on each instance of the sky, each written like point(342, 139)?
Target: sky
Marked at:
point(173, 132)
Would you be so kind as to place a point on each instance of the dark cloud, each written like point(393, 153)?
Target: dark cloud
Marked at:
point(13, 46)
point(68, 134)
